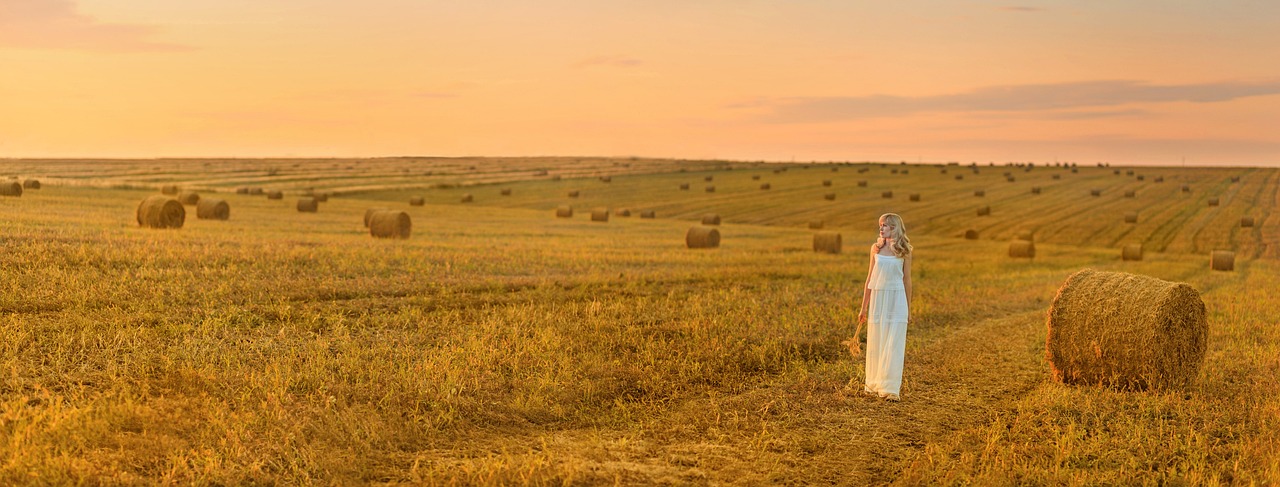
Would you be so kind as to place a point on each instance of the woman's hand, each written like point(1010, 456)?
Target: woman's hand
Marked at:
point(862, 317)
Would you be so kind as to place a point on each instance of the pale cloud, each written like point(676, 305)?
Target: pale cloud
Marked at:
point(1021, 98)
point(617, 61)
point(56, 24)
point(1016, 8)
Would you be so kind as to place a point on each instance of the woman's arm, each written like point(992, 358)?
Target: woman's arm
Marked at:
point(866, 285)
point(906, 278)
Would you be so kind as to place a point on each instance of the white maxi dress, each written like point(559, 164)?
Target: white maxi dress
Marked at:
point(886, 325)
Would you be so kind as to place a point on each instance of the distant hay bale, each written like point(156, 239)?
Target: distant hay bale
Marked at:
point(188, 197)
point(1246, 222)
point(1125, 331)
point(275, 195)
point(1235, 179)
point(959, 177)
point(708, 179)
point(417, 201)
point(1142, 178)
point(816, 224)
point(914, 197)
point(979, 193)
point(467, 198)
point(1024, 234)
point(684, 186)
point(622, 212)
point(1131, 252)
point(161, 211)
point(600, 215)
point(31, 184)
point(564, 211)
point(606, 179)
point(308, 204)
point(648, 214)
point(389, 224)
point(1057, 176)
point(242, 190)
point(862, 184)
point(766, 186)
point(886, 194)
point(827, 242)
point(1022, 249)
point(1131, 217)
point(1222, 260)
point(1095, 192)
point(169, 189)
point(1035, 190)
point(829, 196)
point(368, 214)
point(711, 188)
point(1010, 179)
point(702, 238)
point(575, 193)
point(322, 196)
point(970, 234)
point(11, 188)
point(1213, 201)
point(1130, 193)
point(826, 182)
point(255, 191)
point(213, 209)
point(755, 177)
point(1186, 188)
point(984, 211)
point(1128, 173)
point(1159, 179)
point(505, 192)
point(711, 219)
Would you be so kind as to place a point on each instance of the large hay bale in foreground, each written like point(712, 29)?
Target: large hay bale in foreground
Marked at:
point(827, 242)
point(368, 214)
point(1246, 222)
point(31, 184)
point(1126, 331)
point(711, 219)
point(308, 205)
point(390, 224)
point(1222, 260)
point(161, 211)
point(702, 238)
point(1022, 249)
point(213, 209)
point(11, 188)
point(189, 197)
point(600, 215)
point(1131, 252)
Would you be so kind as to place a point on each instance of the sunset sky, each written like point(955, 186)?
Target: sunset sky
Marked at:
point(1144, 82)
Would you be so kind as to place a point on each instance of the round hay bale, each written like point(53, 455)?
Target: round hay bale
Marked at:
point(914, 197)
point(862, 184)
point(1186, 188)
point(467, 198)
point(886, 194)
point(622, 212)
point(708, 179)
point(308, 204)
point(1024, 234)
point(1222, 260)
point(711, 188)
point(417, 201)
point(169, 190)
point(817, 225)
point(829, 196)
point(11, 188)
point(1022, 249)
point(959, 177)
point(1125, 331)
point(600, 215)
point(564, 211)
point(275, 195)
point(684, 186)
point(1130, 193)
point(970, 234)
point(1035, 190)
point(575, 193)
point(1142, 178)
point(255, 191)
point(1159, 179)
point(711, 219)
point(242, 190)
point(1131, 252)
point(31, 184)
point(1057, 176)
point(702, 238)
point(1213, 201)
point(389, 224)
point(648, 214)
point(161, 211)
point(1075, 170)
point(1131, 217)
point(827, 242)
point(368, 214)
point(980, 193)
point(213, 209)
point(505, 192)
point(322, 196)
point(1246, 222)
point(188, 197)
point(1010, 179)
point(984, 211)
point(766, 186)
point(826, 183)
point(1095, 192)
point(755, 177)
point(606, 179)
point(1235, 179)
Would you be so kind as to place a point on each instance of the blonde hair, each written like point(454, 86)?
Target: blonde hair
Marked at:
point(901, 244)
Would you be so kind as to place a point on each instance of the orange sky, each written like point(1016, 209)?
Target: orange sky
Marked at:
point(1145, 82)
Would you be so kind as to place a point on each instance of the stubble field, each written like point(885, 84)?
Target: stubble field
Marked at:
point(502, 345)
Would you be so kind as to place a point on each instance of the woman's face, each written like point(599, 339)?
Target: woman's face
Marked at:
point(886, 229)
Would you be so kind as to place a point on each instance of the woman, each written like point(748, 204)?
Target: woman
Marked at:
point(886, 299)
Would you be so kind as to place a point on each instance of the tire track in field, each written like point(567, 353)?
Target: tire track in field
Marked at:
point(1206, 221)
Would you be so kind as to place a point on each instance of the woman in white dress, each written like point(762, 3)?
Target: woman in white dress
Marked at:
point(886, 300)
